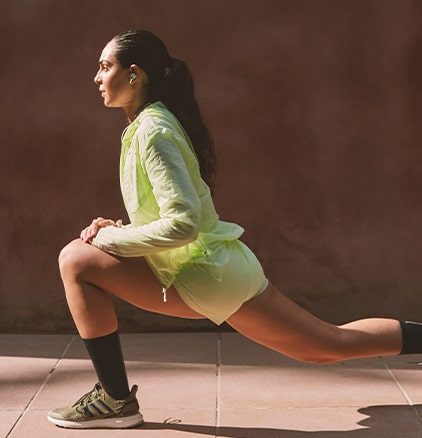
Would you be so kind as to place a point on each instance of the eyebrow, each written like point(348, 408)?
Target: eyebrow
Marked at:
point(103, 61)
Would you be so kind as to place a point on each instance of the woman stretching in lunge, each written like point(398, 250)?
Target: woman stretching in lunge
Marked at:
point(176, 257)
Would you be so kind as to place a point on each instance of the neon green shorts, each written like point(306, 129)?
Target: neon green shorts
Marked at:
point(218, 290)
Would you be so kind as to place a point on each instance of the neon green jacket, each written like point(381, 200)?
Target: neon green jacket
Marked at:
point(172, 216)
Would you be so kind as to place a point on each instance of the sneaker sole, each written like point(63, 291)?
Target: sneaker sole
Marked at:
point(101, 423)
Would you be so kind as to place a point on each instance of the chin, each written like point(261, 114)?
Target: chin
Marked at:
point(108, 104)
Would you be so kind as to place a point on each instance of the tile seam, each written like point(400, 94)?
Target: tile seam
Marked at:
point(41, 387)
point(399, 385)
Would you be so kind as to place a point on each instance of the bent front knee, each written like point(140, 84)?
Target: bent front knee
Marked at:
point(70, 258)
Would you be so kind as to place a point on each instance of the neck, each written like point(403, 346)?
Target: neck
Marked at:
point(134, 110)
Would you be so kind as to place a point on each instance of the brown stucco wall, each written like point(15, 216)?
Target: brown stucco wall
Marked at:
point(315, 109)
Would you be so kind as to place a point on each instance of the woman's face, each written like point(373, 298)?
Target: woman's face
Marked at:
point(113, 80)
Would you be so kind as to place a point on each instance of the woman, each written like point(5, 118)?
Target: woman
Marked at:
point(176, 257)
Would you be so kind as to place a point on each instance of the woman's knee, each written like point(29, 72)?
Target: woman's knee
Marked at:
point(71, 258)
point(327, 347)
point(333, 347)
point(318, 357)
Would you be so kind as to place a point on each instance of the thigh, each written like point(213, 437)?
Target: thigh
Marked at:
point(130, 279)
point(273, 320)
point(217, 289)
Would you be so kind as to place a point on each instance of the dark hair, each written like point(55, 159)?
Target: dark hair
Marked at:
point(170, 81)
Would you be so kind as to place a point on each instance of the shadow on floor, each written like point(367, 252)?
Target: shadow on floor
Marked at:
point(382, 422)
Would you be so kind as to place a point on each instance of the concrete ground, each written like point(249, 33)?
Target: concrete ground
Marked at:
point(212, 385)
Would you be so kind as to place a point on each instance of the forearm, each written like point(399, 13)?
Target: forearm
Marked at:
point(148, 239)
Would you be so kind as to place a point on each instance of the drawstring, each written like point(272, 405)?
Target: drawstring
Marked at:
point(164, 294)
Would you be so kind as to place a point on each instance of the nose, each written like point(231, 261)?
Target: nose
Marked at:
point(97, 79)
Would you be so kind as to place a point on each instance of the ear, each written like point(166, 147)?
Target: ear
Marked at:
point(137, 74)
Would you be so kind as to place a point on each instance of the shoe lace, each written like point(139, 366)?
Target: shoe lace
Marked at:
point(89, 396)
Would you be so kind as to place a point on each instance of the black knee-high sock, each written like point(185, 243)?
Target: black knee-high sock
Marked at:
point(107, 358)
point(412, 337)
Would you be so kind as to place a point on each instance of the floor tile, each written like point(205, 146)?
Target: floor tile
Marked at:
point(33, 346)
point(276, 381)
point(25, 362)
point(176, 375)
point(193, 382)
point(322, 422)
point(407, 371)
point(7, 419)
point(156, 428)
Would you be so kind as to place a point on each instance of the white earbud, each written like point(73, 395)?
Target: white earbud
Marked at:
point(132, 77)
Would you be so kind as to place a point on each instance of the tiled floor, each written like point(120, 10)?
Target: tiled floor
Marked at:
point(213, 385)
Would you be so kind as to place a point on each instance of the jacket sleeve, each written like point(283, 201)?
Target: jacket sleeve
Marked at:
point(176, 197)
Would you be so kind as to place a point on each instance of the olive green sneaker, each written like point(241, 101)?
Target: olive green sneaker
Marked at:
point(96, 409)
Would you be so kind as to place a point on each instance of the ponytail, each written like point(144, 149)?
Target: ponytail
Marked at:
point(171, 82)
point(177, 93)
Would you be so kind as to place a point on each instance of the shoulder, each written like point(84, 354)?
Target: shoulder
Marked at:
point(157, 116)
point(157, 121)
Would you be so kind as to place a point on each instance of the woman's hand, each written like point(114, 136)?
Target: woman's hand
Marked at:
point(88, 233)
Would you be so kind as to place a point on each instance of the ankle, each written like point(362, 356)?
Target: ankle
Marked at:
point(411, 337)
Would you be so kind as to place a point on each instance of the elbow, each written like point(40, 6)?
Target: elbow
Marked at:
point(182, 225)
point(194, 234)
point(188, 231)
point(186, 228)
